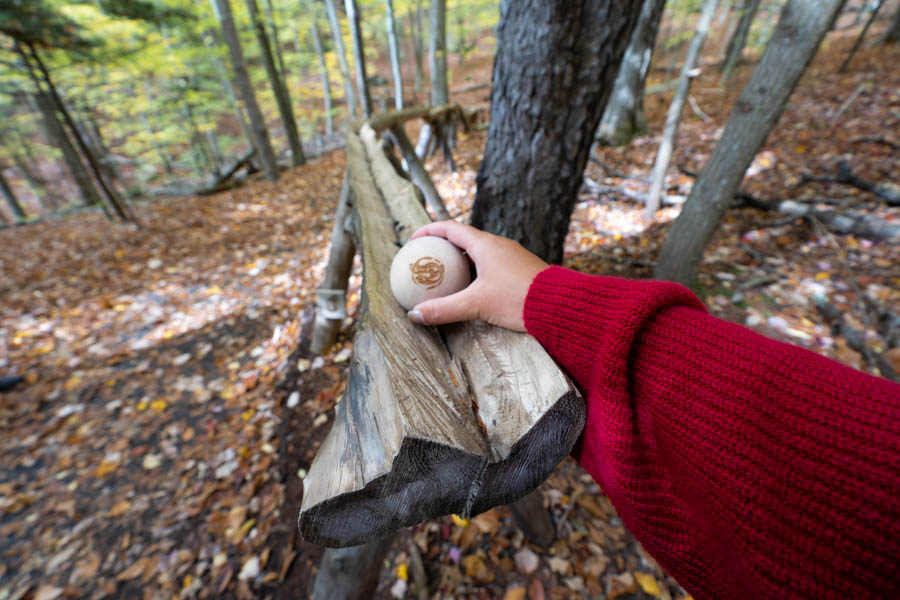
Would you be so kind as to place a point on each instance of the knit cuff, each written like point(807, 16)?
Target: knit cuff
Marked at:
point(582, 319)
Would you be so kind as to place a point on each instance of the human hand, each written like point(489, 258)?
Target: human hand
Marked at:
point(504, 269)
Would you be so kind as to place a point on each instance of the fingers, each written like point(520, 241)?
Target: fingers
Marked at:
point(463, 236)
point(449, 309)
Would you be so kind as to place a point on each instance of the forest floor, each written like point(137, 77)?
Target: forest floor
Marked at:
point(157, 446)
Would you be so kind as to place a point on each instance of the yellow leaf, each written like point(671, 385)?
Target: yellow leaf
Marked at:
point(105, 468)
point(248, 414)
point(800, 149)
point(474, 565)
point(402, 572)
point(648, 583)
point(158, 405)
point(72, 382)
point(822, 275)
point(459, 521)
point(142, 405)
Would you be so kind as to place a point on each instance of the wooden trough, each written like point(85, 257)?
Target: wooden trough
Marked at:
point(456, 419)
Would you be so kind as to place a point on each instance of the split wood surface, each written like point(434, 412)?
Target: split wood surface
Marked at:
point(432, 422)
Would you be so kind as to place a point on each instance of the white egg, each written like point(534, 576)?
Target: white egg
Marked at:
point(428, 267)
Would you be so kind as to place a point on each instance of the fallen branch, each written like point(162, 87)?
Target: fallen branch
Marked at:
point(876, 140)
point(615, 173)
point(887, 191)
point(856, 338)
point(641, 197)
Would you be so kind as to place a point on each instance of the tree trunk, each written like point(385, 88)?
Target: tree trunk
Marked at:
point(210, 39)
point(862, 34)
point(892, 35)
point(245, 88)
point(800, 29)
point(323, 70)
point(35, 183)
point(56, 135)
point(395, 55)
point(667, 141)
point(335, 24)
point(276, 47)
point(11, 200)
point(415, 27)
point(623, 117)
point(553, 72)
point(739, 39)
point(282, 97)
point(359, 57)
point(350, 573)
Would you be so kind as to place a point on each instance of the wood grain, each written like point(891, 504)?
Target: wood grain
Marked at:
point(426, 426)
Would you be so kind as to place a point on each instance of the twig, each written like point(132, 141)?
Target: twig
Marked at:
point(624, 259)
point(843, 108)
point(616, 173)
point(876, 140)
point(696, 108)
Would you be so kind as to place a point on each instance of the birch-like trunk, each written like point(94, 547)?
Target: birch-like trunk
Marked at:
point(394, 50)
point(623, 117)
point(344, 66)
point(261, 140)
point(799, 32)
point(670, 131)
point(282, 97)
point(323, 70)
point(359, 57)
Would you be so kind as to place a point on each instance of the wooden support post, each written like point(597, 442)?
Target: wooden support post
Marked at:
point(331, 301)
point(431, 423)
point(350, 573)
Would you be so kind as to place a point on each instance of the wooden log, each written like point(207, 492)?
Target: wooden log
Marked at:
point(426, 429)
point(350, 573)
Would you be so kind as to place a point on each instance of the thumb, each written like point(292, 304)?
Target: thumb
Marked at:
point(449, 309)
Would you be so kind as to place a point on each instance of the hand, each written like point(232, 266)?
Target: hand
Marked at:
point(504, 269)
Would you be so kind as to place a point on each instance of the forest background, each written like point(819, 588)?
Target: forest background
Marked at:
point(160, 268)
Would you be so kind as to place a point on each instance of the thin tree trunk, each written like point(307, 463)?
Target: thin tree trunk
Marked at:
point(11, 200)
point(114, 201)
point(798, 34)
point(892, 35)
point(242, 77)
point(210, 40)
point(437, 55)
point(323, 70)
point(416, 37)
point(553, 72)
point(167, 164)
point(56, 135)
point(739, 39)
point(202, 160)
point(394, 50)
point(862, 34)
point(282, 97)
point(667, 142)
point(35, 184)
point(273, 32)
point(623, 117)
point(359, 57)
point(335, 25)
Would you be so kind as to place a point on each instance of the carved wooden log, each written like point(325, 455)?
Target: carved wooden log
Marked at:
point(428, 427)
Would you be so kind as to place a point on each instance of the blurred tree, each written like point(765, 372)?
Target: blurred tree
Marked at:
point(282, 97)
point(359, 57)
point(892, 35)
point(862, 34)
point(553, 72)
point(261, 140)
point(670, 130)
point(416, 39)
point(323, 72)
point(737, 42)
point(799, 32)
point(10, 197)
point(394, 50)
point(338, 38)
point(623, 117)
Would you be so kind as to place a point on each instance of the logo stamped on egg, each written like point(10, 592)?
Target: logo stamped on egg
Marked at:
point(427, 272)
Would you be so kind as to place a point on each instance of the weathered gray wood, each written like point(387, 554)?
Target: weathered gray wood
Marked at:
point(331, 297)
point(419, 174)
point(424, 428)
point(359, 57)
point(350, 573)
point(394, 48)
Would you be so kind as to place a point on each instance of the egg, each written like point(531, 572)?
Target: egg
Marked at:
point(428, 267)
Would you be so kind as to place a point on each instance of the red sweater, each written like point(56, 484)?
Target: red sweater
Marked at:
point(747, 467)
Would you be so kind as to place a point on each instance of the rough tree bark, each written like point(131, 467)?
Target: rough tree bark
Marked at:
point(335, 25)
point(273, 36)
point(11, 200)
point(862, 34)
point(800, 29)
point(394, 50)
point(623, 117)
point(261, 140)
point(667, 141)
point(892, 35)
point(553, 73)
point(359, 57)
point(323, 70)
point(739, 39)
point(282, 97)
point(56, 135)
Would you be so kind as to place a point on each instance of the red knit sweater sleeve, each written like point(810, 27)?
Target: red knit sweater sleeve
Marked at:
point(748, 467)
